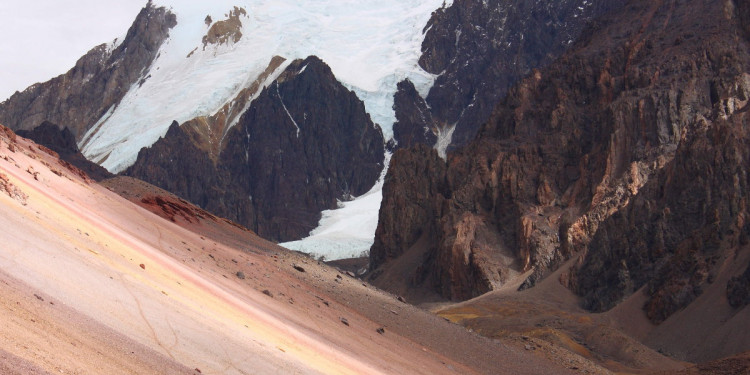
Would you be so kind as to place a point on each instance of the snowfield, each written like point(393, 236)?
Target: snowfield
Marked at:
point(347, 232)
point(369, 45)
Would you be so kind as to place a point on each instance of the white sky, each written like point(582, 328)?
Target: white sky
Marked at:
point(42, 39)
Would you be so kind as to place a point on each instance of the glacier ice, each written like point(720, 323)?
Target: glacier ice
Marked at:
point(369, 45)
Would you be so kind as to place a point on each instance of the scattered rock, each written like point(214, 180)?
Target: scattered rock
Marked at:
point(380, 330)
point(268, 293)
point(401, 299)
point(143, 266)
point(30, 170)
point(240, 275)
point(343, 320)
point(39, 297)
point(298, 268)
point(12, 190)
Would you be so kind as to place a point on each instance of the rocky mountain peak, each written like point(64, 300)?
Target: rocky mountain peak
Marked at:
point(225, 31)
point(98, 81)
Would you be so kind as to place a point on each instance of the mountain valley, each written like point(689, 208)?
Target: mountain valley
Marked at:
point(471, 186)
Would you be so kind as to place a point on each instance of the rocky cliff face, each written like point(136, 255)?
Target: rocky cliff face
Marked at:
point(99, 80)
point(738, 290)
point(303, 144)
point(635, 135)
point(677, 231)
point(413, 221)
point(479, 49)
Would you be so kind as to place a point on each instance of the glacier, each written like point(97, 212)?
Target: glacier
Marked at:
point(369, 45)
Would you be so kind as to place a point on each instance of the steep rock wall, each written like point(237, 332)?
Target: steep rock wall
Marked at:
point(573, 145)
point(478, 49)
point(303, 144)
point(98, 81)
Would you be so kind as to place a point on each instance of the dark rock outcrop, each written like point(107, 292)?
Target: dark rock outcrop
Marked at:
point(679, 227)
point(400, 229)
point(225, 31)
point(635, 134)
point(98, 81)
point(62, 141)
point(52, 136)
point(478, 49)
point(303, 144)
point(414, 123)
point(738, 290)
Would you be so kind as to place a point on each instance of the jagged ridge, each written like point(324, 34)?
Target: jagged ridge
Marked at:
point(289, 157)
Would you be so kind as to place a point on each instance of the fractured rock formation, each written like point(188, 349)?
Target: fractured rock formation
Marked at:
point(97, 83)
point(629, 152)
point(478, 50)
point(303, 144)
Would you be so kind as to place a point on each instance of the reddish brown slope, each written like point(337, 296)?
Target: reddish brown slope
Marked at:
point(91, 283)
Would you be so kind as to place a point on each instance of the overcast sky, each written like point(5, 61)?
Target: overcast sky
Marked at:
point(42, 39)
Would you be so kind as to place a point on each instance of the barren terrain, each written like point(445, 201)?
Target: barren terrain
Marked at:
point(92, 283)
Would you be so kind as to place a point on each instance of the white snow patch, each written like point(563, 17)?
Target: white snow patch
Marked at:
point(370, 47)
point(445, 137)
point(347, 232)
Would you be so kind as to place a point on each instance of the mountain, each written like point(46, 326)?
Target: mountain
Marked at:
point(93, 283)
point(205, 66)
point(303, 143)
point(97, 83)
point(478, 50)
point(620, 170)
point(568, 186)
point(181, 62)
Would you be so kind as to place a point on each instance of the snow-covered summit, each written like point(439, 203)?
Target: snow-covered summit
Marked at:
point(369, 45)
